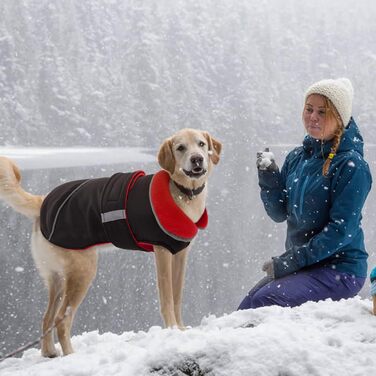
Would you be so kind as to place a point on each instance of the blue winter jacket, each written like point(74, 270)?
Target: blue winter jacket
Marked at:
point(323, 213)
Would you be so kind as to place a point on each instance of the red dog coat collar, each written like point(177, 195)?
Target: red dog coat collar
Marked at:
point(169, 216)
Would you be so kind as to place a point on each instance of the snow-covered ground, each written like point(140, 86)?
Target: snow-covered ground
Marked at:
point(323, 339)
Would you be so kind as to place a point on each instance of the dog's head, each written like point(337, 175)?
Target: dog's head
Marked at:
point(189, 156)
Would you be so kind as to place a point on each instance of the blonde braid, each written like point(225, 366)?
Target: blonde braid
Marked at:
point(332, 111)
point(333, 151)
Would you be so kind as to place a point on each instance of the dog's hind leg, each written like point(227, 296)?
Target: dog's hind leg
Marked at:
point(55, 289)
point(76, 284)
point(49, 261)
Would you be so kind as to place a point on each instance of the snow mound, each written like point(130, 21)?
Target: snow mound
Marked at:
point(325, 338)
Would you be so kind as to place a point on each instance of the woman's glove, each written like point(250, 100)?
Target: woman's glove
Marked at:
point(268, 268)
point(265, 161)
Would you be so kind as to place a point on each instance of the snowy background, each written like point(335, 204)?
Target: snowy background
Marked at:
point(109, 80)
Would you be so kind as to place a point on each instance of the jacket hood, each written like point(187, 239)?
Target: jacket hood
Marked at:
point(350, 140)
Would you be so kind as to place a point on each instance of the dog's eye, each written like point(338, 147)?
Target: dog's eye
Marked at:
point(201, 144)
point(180, 148)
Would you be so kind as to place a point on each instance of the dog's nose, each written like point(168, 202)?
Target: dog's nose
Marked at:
point(197, 160)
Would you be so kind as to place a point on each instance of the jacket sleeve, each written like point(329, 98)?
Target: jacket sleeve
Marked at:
point(349, 194)
point(273, 192)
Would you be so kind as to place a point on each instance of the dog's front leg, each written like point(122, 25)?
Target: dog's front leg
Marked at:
point(163, 260)
point(178, 276)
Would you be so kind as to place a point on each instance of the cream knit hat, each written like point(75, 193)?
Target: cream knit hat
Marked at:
point(339, 91)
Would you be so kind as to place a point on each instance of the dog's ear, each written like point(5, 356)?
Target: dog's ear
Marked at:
point(215, 147)
point(166, 157)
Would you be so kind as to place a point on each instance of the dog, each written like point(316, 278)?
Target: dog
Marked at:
point(67, 259)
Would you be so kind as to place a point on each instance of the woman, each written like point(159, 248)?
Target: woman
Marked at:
point(320, 191)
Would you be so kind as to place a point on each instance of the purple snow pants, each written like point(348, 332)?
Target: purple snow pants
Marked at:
point(312, 284)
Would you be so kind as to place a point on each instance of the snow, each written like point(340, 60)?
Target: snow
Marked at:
point(29, 158)
point(266, 158)
point(324, 338)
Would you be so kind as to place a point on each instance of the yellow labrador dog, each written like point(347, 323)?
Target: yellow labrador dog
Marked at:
point(160, 213)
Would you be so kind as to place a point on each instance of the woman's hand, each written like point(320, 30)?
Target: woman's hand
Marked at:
point(268, 268)
point(265, 161)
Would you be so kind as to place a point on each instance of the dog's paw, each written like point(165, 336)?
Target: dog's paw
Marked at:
point(50, 354)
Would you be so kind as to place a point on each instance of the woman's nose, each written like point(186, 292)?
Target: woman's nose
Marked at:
point(314, 116)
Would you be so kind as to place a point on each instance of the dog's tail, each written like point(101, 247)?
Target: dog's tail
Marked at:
point(13, 194)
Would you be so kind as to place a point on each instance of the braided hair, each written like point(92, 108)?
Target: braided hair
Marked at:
point(332, 112)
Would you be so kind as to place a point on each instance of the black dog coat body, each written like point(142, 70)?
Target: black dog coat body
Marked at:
point(129, 210)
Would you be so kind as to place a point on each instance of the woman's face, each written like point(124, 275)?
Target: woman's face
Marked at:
point(317, 122)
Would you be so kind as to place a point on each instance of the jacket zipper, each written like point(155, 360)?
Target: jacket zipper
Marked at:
point(301, 201)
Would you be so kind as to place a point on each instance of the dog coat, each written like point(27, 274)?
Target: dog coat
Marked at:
point(129, 210)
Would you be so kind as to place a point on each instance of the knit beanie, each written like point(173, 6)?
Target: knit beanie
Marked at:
point(339, 91)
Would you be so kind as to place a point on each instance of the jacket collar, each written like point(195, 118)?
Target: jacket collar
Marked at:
point(171, 219)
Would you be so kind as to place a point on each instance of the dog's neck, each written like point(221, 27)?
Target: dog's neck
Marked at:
point(189, 192)
point(193, 207)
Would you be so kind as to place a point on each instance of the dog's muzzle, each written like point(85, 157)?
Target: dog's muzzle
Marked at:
point(197, 169)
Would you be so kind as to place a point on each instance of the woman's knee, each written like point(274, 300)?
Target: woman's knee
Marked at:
point(256, 300)
point(246, 303)
point(262, 298)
